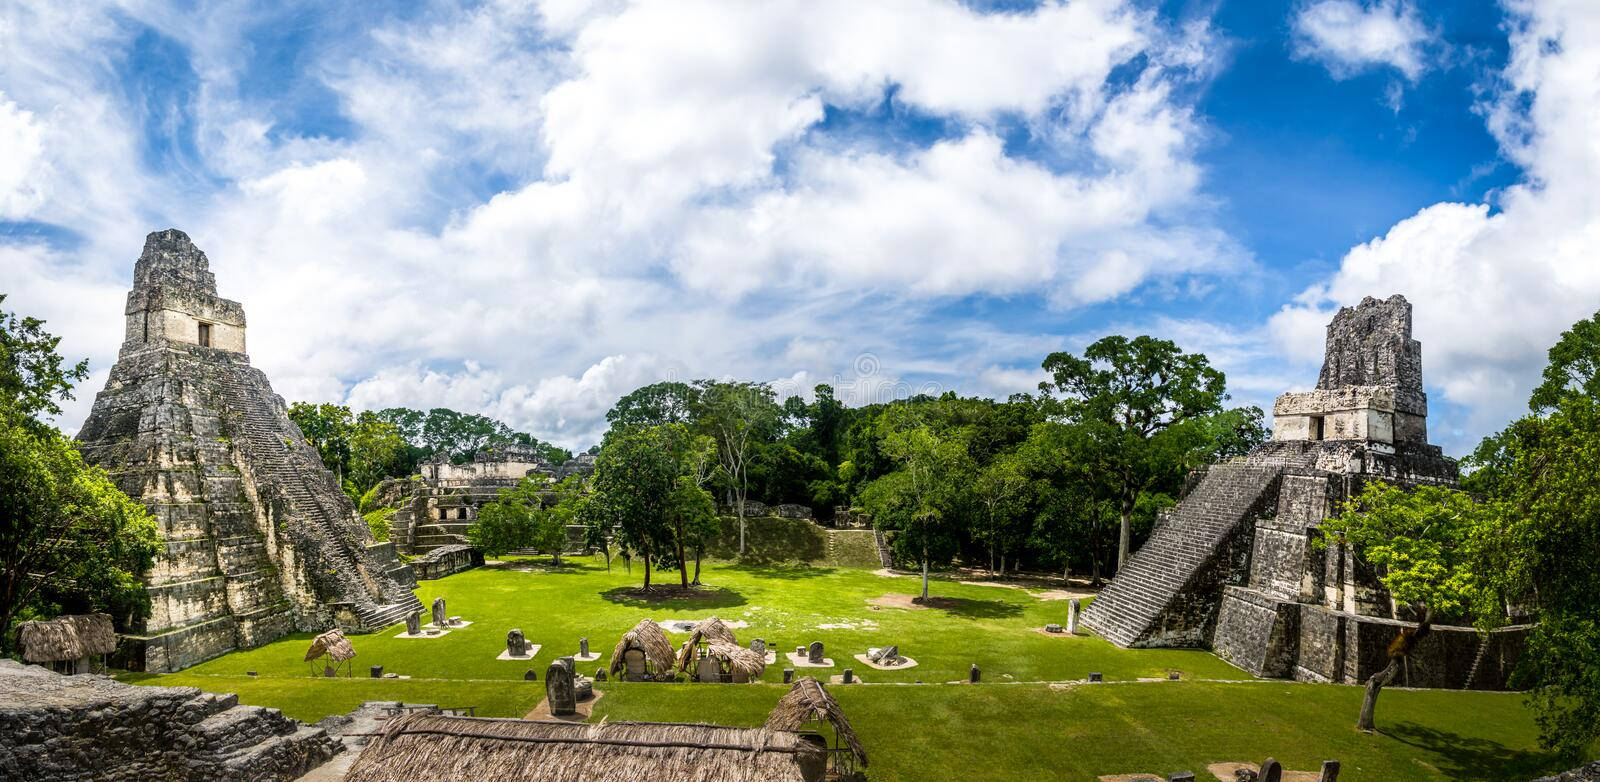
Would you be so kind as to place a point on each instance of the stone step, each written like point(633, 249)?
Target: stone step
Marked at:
point(239, 727)
point(1158, 573)
point(286, 756)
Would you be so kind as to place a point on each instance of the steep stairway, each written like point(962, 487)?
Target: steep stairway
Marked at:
point(260, 434)
point(1144, 605)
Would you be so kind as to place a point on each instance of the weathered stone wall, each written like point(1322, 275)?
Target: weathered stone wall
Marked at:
point(1370, 344)
point(82, 728)
point(446, 560)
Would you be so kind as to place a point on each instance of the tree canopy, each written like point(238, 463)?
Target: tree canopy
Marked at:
point(70, 540)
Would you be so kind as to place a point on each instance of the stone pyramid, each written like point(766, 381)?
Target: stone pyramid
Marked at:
point(258, 540)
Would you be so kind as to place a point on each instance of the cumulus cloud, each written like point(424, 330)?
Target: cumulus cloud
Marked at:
point(527, 211)
point(1494, 284)
point(1349, 37)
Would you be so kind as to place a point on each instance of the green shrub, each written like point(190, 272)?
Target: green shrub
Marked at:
point(378, 522)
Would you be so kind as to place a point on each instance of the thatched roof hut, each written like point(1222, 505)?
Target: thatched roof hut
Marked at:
point(65, 638)
point(809, 702)
point(433, 746)
point(648, 637)
point(709, 630)
point(332, 643)
point(743, 664)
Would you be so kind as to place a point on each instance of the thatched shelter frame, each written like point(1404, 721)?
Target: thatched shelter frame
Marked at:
point(649, 638)
point(69, 644)
point(706, 632)
point(336, 648)
point(805, 708)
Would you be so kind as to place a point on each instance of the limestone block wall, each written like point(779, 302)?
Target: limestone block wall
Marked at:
point(81, 728)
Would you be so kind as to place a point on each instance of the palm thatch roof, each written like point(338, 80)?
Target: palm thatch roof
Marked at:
point(646, 636)
point(71, 637)
point(808, 700)
point(425, 745)
point(710, 629)
point(736, 658)
point(332, 643)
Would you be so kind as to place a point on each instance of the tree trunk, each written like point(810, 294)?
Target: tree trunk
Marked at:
point(696, 581)
point(1125, 534)
point(683, 562)
point(647, 572)
point(924, 574)
point(1370, 703)
point(740, 511)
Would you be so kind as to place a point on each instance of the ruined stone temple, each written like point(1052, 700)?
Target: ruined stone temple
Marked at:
point(257, 539)
point(1233, 567)
point(445, 499)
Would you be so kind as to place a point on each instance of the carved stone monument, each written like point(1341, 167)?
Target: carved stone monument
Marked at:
point(759, 646)
point(414, 623)
point(440, 619)
point(1072, 615)
point(814, 652)
point(974, 675)
point(516, 645)
point(1271, 771)
point(583, 647)
point(560, 687)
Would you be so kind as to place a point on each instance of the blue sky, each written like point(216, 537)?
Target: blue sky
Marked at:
point(527, 210)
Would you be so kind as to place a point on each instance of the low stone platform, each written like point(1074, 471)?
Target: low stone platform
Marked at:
point(76, 728)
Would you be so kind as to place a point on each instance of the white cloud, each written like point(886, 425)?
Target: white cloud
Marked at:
point(537, 209)
point(1492, 289)
point(1349, 37)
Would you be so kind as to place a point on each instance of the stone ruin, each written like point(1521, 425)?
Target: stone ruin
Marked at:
point(1233, 567)
point(257, 538)
point(92, 727)
point(446, 501)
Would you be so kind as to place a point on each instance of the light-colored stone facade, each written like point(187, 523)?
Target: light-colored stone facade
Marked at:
point(257, 539)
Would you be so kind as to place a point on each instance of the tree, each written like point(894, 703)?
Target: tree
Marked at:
point(924, 498)
point(1002, 489)
point(1539, 555)
point(1574, 368)
point(327, 429)
point(32, 380)
point(737, 415)
point(503, 525)
point(639, 493)
point(518, 519)
point(667, 402)
point(70, 540)
point(1138, 390)
point(1418, 542)
point(377, 451)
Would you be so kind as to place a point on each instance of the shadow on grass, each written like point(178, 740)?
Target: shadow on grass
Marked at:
point(674, 596)
point(542, 565)
point(788, 571)
point(973, 609)
point(1460, 757)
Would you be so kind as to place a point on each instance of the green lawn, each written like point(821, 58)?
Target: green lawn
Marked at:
point(1005, 726)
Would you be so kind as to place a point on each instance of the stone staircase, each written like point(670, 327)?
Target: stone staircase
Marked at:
point(260, 434)
point(252, 742)
point(1163, 595)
